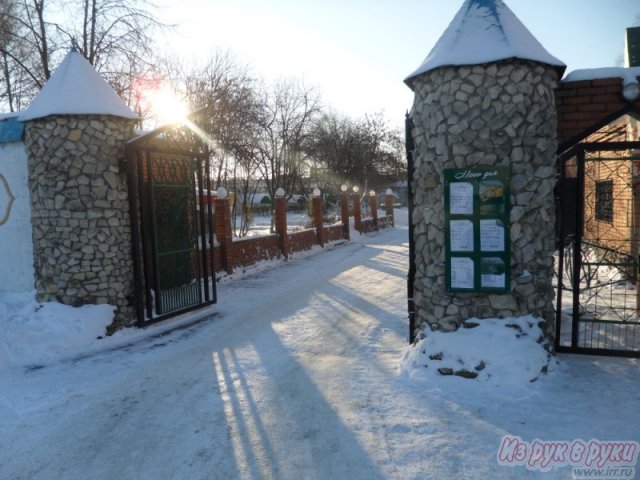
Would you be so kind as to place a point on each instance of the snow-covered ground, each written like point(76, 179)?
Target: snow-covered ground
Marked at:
point(301, 371)
point(261, 224)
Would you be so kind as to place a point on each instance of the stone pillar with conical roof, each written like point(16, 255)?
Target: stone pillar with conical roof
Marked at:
point(76, 129)
point(484, 97)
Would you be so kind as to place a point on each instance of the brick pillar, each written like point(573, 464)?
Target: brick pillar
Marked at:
point(388, 206)
point(373, 206)
point(318, 219)
point(281, 225)
point(344, 214)
point(357, 212)
point(223, 233)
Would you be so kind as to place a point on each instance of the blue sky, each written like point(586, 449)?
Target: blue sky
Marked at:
point(357, 52)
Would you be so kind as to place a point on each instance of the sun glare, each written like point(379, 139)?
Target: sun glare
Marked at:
point(167, 106)
point(156, 100)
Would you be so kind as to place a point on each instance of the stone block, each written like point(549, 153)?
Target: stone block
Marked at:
point(503, 302)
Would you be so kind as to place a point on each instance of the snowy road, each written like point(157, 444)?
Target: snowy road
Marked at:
point(269, 388)
point(295, 377)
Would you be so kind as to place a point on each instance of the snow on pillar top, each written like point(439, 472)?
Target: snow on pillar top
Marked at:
point(75, 88)
point(484, 31)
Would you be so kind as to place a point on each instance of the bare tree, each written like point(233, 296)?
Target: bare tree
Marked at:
point(226, 94)
point(114, 35)
point(5, 25)
point(365, 152)
point(288, 112)
point(23, 50)
point(6, 31)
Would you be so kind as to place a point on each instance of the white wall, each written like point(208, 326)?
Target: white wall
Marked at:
point(16, 245)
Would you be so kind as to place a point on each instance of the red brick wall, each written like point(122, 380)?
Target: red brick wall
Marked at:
point(334, 232)
point(587, 105)
point(302, 240)
point(231, 254)
point(385, 222)
point(252, 250)
point(367, 225)
point(617, 233)
point(216, 259)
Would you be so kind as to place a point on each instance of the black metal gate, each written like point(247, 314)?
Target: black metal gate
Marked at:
point(172, 224)
point(598, 281)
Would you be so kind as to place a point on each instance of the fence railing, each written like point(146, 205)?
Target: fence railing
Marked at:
point(230, 254)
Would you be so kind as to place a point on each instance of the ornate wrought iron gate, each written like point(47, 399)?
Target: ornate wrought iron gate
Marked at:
point(172, 225)
point(598, 280)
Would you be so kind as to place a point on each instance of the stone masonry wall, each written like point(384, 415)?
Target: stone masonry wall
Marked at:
point(79, 199)
point(499, 114)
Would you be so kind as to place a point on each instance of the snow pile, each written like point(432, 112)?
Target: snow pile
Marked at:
point(496, 352)
point(35, 333)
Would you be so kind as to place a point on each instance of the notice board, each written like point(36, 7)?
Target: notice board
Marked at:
point(477, 243)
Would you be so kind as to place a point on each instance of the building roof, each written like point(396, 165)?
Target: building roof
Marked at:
point(626, 75)
point(484, 31)
point(11, 129)
point(75, 88)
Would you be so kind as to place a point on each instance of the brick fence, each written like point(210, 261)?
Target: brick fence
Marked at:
point(230, 254)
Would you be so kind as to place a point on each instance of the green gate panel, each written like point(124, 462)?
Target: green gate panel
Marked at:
point(177, 266)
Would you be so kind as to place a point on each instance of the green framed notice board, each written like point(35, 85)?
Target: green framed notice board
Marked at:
point(477, 243)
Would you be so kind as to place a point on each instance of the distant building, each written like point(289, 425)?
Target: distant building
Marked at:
point(400, 191)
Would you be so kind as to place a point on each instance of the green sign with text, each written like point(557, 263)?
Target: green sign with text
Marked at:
point(477, 243)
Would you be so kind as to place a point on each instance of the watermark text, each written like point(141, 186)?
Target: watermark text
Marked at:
point(591, 459)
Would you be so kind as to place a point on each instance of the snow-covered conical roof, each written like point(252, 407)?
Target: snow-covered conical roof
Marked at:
point(484, 31)
point(75, 88)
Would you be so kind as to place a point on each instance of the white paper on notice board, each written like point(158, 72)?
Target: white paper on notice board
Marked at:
point(461, 235)
point(491, 235)
point(462, 272)
point(461, 198)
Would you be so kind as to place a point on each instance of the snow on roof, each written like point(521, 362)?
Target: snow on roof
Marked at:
point(4, 116)
point(628, 75)
point(484, 31)
point(75, 88)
